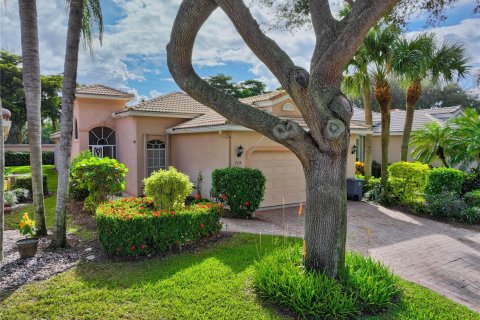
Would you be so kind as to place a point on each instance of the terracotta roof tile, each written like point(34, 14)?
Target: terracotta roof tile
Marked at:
point(101, 90)
point(397, 121)
point(262, 97)
point(175, 102)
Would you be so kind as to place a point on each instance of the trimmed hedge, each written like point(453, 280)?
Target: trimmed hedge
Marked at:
point(133, 226)
point(472, 198)
point(23, 158)
point(408, 180)
point(471, 182)
point(443, 180)
point(242, 189)
point(25, 182)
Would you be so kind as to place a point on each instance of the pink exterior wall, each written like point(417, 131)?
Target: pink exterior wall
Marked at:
point(127, 149)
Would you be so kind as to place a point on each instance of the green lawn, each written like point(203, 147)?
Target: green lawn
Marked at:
point(211, 283)
point(12, 219)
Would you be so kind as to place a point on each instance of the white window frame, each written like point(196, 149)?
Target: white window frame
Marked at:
point(154, 155)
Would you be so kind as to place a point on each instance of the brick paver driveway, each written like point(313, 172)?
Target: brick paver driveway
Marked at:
point(436, 255)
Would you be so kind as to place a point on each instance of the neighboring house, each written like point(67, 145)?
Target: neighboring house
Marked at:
point(397, 123)
point(176, 130)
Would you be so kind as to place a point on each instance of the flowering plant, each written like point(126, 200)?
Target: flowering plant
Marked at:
point(26, 226)
point(359, 167)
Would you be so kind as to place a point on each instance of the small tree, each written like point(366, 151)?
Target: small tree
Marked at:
point(430, 143)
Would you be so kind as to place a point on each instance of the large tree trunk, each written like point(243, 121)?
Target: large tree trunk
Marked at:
point(326, 213)
point(413, 93)
point(367, 105)
point(383, 96)
point(66, 121)
point(2, 186)
point(32, 87)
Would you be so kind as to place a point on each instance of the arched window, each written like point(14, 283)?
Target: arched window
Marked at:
point(102, 142)
point(288, 107)
point(156, 156)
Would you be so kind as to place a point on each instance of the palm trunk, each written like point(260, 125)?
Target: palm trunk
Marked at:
point(412, 95)
point(326, 213)
point(441, 156)
point(2, 187)
point(32, 87)
point(383, 96)
point(367, 105)
point(66, 121)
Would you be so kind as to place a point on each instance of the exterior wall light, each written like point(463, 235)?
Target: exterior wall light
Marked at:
point(354, 149)
point(239, 151)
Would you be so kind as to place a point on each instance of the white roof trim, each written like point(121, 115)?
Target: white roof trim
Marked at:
point(155, 114)
point(268, 103)
point(101, 96)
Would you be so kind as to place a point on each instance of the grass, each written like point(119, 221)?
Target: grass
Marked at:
point(12, 219)
point(211, 283)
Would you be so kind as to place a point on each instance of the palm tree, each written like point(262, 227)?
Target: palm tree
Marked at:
point(85, 17)
point(32, 87)
point(356, 82)
point(465, 139)
point(419, 59)
point(431, 143)
point(2, 187)
point(379, 48)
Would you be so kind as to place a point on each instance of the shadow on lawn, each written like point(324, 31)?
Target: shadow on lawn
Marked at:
point(237, 253)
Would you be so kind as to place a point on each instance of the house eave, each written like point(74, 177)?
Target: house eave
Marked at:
point(133, 113)
point(102, 97)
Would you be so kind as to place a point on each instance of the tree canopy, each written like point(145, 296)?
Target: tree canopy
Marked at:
point(242, 89)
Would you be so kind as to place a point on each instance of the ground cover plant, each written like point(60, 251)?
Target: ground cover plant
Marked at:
point(212, 283)
point(135, 226)
point(364, 287)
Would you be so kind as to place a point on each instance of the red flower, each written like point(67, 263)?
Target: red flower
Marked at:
point(143, 246)
point(224, 197)
point(197, 196)
point(156, 214)
point(172, 213)
point(247, 203)
point(201, 226)
point(132, 248)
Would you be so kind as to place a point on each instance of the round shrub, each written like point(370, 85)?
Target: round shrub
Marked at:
point(241, 189)
point(76, 191)
point(133, 226)
point(365, 287)
point(408, 180)
point(168, 188)
point(471, 182)
point(23, 195)
point(444, 180)
point(444, 205)
point(471, 215)
point(102, 177)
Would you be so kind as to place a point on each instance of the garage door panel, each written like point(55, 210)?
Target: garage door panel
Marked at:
point(284, 174)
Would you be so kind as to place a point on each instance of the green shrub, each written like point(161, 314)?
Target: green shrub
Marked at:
point(23, 195)
point(470, 215)
point(408, 180)
point(102, 177)
point(10, 198)
point(25, 182)
point(132, 226)
point(444, 180)
point(168, 188)
point(471, 182)
point(76, 191)
point(472, 198)
point(365, 287)
point(13, 158)
point(445, 205)
point(242, 189)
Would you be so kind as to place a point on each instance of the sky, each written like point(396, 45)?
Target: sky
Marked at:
point(132, 55)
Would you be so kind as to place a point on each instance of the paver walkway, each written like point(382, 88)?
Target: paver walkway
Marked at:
point(439, 256)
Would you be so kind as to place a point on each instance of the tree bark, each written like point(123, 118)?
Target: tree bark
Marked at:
point(323, 149)
point(66, 121)
point(2, 186)
point(413, 93)
point(383, 96)
point(367, 105)
point(32, 87)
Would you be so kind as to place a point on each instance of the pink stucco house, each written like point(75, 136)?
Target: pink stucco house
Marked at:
point(175, 130)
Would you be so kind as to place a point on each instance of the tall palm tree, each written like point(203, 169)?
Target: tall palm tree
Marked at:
point(2, 187)
point(85, 17)
point(379, 47)
point(465, 139)
point(356, 82)
point(32, 87)
point(431, 143)
point(419, 59)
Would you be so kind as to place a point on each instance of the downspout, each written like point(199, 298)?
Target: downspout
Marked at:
point(226, 136)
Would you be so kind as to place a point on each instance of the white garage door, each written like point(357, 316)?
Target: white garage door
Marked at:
point(284, 174)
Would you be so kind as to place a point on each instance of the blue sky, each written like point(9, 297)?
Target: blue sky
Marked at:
point(132, 56)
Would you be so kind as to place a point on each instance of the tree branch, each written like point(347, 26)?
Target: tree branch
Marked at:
point(191, 16)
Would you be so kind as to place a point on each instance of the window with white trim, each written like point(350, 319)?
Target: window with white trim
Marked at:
point(288, 107)
point(156, 156)
point(102, 143)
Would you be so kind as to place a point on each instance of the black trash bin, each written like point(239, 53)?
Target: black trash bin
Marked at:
point(354, 189)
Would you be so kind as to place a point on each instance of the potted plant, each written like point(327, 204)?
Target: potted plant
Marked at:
point(10, 199)
point(27, 247)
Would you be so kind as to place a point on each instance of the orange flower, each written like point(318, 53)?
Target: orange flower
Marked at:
point(201, 225)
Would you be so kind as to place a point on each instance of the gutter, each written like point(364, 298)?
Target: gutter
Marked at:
point(129, 113)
